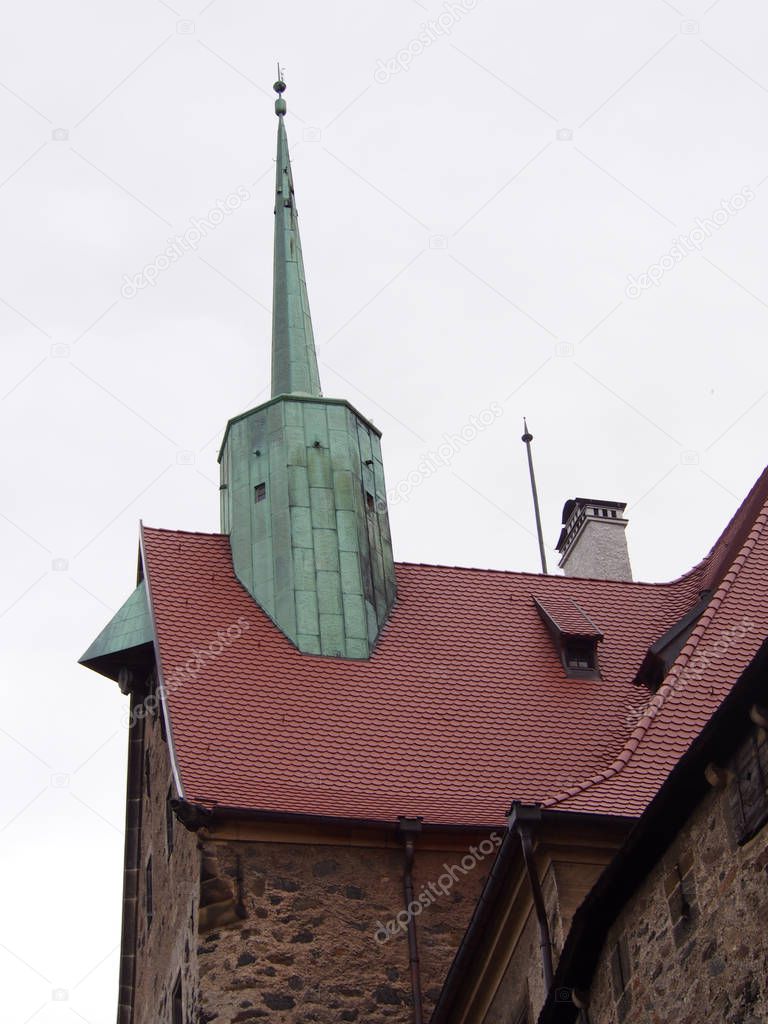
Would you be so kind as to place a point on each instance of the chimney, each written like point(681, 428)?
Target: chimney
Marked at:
point(593, 542)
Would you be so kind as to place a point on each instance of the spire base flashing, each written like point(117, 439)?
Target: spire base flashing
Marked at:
point(298, 397)
point(303, 500)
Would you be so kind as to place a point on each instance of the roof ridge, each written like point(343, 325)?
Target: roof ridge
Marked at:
point(541, 575)
point(437, 565)
point(659, 699)
point(760, 487)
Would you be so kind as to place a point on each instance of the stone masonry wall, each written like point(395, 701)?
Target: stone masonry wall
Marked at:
point(307, 948)
point(167, 947)
point(521, 992)
point(691, 946)
point(600, 552)
point(522, 986)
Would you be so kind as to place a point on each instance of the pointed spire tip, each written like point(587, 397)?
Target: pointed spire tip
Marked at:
point(294, 360)
point(280, 87)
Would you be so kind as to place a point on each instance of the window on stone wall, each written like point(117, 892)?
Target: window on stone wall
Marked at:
point(749, 789)
point(260, 493)
point(177, 1003)
point(680, 888)
point(147, 772)
point(169, 819)
point(621, 971)
point(148, 897)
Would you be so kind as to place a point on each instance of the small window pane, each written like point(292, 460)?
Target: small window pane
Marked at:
point(580, 654)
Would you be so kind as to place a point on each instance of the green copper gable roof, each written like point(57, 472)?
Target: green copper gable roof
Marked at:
point(294, 361)
point(129, 628)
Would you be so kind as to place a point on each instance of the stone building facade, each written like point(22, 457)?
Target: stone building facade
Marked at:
point(690, 944)
point(168, 887)
point(309, 946)
point(243, 923)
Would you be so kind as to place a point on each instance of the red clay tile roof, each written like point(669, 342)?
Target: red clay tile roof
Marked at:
point(464, 705)
point(728, 635)
point(567, 617)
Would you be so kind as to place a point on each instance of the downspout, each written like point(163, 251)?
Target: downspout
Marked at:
point(523, 820)
point(407, 829)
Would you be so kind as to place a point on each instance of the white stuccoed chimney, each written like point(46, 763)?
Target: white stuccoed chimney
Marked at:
point(593, 541)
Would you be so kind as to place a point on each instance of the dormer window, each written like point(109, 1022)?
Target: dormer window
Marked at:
point(662, 654)
point(574, 634)
point(580, 653)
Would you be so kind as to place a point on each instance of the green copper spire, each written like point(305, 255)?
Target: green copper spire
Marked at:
point(303, 494)
point(294, 362)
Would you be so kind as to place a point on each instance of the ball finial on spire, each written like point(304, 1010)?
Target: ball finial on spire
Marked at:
point(279, 87)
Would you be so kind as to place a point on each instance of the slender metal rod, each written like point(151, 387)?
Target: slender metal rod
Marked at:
point(527, 438)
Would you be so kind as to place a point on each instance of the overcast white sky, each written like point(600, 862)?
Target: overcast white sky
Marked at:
point(470, 220)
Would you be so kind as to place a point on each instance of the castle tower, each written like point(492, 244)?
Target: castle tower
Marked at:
point(303, 496)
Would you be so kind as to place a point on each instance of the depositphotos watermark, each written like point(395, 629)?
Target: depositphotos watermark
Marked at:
point(433, 461)
point(431, 31)
point(180, 245)
point(686, 244)
point(191, 668)
point(432, 892)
